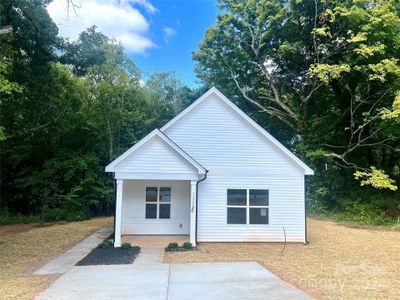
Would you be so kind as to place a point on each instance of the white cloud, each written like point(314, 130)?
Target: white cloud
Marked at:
point(144, 3)
point(116, 19)
point(168, 33)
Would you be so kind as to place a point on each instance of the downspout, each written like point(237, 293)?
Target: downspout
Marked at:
point(305, 216)
point(115, 209)
point(197, 200)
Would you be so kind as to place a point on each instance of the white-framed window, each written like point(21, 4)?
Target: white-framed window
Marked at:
point(158, 202)
point(248, 206)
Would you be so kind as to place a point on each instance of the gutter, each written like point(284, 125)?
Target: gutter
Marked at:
point(115, 209)
point(197, 201)
point(306, 242)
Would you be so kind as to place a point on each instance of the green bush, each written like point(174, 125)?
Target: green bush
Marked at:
point(172, 246)
point(363, 212)
point(187, 246)
point(6, 218)
point(317, 201)
point(126, 246)
point(105, 244)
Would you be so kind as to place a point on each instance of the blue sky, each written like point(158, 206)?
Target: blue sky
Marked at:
point(189, 20)
point(158, 35)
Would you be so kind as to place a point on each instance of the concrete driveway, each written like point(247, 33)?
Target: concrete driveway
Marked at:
point(236, 280)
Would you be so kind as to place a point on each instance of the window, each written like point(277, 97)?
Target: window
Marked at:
point(258, 205)
point(237, 206)
point(158, 202)
point(247, 206)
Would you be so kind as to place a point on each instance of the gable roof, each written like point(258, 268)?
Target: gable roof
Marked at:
point(251, 122)
point(111, 166)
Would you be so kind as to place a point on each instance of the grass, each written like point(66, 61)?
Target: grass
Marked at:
point(341, 262)
point(21, 251)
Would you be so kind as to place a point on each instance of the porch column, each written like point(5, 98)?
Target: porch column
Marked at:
point(193, 208)
point(118, 213)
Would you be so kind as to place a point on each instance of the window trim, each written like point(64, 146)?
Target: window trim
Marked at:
point(248, 206)
point(157, 203)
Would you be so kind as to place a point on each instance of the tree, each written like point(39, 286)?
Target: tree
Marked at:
point(93, 48)
point(326, 69)
point(66, 110)
point(169, 92)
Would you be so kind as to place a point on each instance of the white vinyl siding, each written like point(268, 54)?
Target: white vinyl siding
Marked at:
point(285, 212)
point(156, 157)
point(239, 157)
point(134, 214)
point(219, 139)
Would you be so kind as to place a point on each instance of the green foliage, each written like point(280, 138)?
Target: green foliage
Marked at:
point(376, 178)
point(187, 246)
point(321, 76)
point(172, 246)
point(7, 218)
point(327, 73)
point(366, 213)
point(126, 246)
point(6, 86)
point(67, 109)
point(394, 113)
point(95, 49)
point(106, 244)
point(318, 202)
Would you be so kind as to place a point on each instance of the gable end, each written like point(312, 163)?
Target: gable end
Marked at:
point(214, 91)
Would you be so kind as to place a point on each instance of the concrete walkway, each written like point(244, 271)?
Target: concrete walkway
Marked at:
point(147, 278)
point(68, 259)
point(149, 256)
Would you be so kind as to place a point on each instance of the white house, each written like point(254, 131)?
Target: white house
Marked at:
point(214, 174)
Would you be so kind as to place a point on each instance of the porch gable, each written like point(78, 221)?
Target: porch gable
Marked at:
point(155, 157)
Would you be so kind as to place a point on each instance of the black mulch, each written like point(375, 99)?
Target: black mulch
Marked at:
point(110, 256)
point(180, 249)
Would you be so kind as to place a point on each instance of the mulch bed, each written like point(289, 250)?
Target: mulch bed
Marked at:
point(179, 249)
point(110, 256)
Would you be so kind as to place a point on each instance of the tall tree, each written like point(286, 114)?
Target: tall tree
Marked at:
point(66, 110)
point(327, 69)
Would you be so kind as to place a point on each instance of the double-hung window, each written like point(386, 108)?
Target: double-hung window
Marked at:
point(158, 202)
point(247, 206)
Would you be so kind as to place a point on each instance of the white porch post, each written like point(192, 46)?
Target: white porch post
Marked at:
point(193, 208)
point(118, 213)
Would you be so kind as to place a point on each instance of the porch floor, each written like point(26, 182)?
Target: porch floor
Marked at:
point(154, 241)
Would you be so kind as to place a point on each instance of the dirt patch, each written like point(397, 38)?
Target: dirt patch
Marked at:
point(22, 250)
point(17, 228)
point(110, 256)
point(339, 263)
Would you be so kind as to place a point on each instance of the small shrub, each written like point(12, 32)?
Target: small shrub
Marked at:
point(105, 244)
point(126, 246)
point(8, 218)
point(172, 246)
point(187, 246)
point(364, 213)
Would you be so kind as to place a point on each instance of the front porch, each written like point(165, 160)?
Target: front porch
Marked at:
point(156, 189)
point(153, 213)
